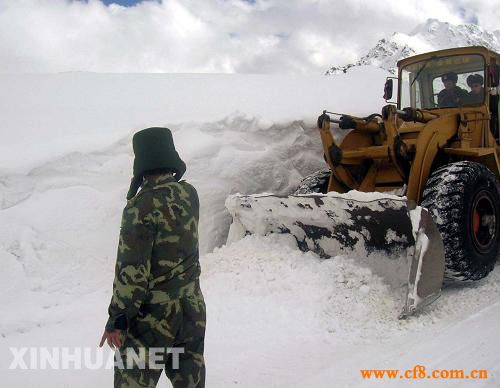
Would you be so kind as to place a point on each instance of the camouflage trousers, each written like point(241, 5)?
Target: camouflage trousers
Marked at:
point(176, 324)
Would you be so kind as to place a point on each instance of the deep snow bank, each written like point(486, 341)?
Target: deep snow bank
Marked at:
point(237, 154)
point(47, 116)
point(71, 129)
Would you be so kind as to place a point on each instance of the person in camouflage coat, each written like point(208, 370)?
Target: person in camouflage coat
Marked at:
point(157, 301)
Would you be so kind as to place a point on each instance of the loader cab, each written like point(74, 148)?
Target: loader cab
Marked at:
point(421, 82)
point(443, 82)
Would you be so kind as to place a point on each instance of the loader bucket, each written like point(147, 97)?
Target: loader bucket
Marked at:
point(403, 247)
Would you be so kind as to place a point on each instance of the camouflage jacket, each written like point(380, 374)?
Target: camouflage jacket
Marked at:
point(157, 256)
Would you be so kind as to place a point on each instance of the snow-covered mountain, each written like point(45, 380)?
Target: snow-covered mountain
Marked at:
point(429, 36)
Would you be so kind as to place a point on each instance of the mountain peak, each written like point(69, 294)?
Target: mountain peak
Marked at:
point(429, 36)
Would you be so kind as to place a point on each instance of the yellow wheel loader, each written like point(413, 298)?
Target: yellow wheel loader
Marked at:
point(418, 181)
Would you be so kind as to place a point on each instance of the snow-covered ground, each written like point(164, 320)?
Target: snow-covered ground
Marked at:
point(277, 317)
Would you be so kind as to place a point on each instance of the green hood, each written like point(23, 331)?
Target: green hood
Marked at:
point(154, 149)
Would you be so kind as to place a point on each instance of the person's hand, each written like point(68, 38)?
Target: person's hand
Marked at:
point(113, 338)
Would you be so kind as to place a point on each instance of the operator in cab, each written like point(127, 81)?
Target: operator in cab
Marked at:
point(451, 95)
point(475, 82)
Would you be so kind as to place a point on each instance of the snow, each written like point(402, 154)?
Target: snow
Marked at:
point(361, 196)
point(277, 317)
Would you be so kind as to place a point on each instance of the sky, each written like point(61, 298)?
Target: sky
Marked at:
point(212, 36)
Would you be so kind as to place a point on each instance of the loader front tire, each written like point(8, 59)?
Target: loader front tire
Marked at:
point(464, 201)
point(316, 182)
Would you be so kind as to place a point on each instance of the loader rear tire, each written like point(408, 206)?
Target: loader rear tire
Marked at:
point(464, 201)
point(317, 182)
